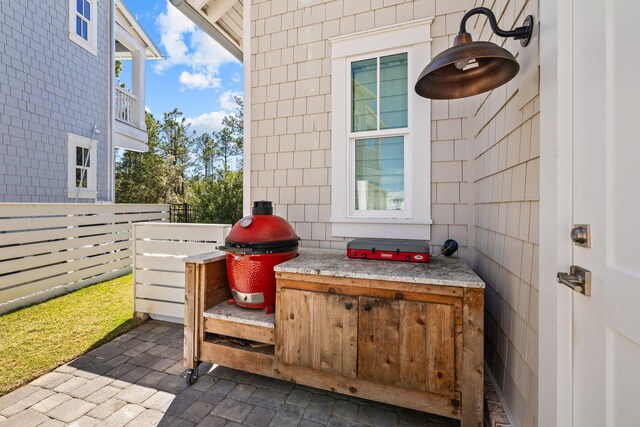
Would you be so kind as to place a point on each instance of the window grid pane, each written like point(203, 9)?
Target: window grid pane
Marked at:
point(82, 157)
point(81, 179)
point(78, 26)
point(393, 91)
point(379, 180)
point(364, 96)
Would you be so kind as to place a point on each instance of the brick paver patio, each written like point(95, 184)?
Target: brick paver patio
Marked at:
point(137, 380)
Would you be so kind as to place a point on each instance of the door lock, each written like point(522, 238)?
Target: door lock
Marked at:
point(577, 279)
point(581, 235)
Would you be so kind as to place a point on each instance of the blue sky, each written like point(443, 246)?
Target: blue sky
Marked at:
point(198, 76)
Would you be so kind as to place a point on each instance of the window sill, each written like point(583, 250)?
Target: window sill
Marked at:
point(83, 194)
point(83, 43)
point(382, 228)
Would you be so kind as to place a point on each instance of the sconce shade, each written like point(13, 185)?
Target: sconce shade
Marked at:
point(468, 68)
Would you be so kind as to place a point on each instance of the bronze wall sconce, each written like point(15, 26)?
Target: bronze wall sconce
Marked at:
point(469, 68)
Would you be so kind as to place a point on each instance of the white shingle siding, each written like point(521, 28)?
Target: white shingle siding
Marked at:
point(484, 158)
point(49, 86)
point(291, 109)
point(505, 174)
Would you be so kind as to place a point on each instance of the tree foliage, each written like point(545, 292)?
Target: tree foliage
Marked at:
point(218, 200)
point(141, 177)
point(180, 167)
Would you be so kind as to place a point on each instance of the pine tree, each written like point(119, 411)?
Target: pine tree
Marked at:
point(141, 177)
point(176, 144)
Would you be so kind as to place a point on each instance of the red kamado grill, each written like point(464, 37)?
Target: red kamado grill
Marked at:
point(389, 249)
point(254, 246)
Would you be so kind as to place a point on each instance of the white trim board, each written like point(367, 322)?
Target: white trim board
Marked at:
point(414, 222)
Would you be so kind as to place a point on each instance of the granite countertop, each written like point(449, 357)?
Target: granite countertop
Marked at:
point(440, 270)
point(206, 257)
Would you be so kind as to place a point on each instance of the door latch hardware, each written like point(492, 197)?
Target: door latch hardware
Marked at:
point(581, 235)
point(577, 279)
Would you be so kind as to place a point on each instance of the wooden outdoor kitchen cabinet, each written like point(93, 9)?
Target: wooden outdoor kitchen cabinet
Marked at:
point(406, 334)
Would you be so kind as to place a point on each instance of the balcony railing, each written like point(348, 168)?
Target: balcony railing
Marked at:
point(127, 107)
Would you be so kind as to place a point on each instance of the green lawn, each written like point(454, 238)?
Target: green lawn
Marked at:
point(36, 339)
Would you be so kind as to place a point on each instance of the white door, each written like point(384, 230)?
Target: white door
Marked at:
point(606, 195)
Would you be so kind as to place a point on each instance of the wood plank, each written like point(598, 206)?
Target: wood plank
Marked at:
point(161, 293)
point(370, 292)
point(162, 308)
point(239, 330)
point(173, 248)
point(440, 349)
point(11, 252)
point(150, 277)
point(458, 346)
point(15, 224)
point(172, 231)
point(48, 259)
point(268, 365)
point(378, 340)
point(294, 323)
point(63, 279)
point(216, 284)
point(236, 314)
point(413, 366)
point(190, 357)
point(291, 279)
point(472, 358)
point(11, 280)
point(32, 236)
point(335, 334)
point(173, 264)
point(12, 210)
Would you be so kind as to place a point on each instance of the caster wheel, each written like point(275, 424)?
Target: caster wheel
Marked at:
point(192, 376)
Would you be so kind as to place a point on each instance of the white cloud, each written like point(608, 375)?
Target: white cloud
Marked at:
point(189, 46)
point(199, 80)
point(227, 101)
point(207, 122)
point(147, 109)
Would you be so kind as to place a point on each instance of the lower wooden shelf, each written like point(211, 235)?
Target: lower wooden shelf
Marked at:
point(238, 322)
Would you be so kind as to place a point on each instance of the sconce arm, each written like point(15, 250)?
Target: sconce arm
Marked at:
point(519, 33)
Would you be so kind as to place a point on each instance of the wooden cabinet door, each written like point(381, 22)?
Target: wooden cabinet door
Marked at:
point(318, 330)
point(407, 344)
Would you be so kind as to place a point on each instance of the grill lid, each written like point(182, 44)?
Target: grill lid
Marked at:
point(261, 232)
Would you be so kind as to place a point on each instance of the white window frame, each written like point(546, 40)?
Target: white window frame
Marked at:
point(91, 192)
point(92, 44)
point(413, 222)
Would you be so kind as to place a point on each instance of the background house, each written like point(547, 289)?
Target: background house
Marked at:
point(61, 116)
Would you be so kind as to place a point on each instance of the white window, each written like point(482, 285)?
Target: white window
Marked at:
point(83, 28)
point(82, 168)
point(380, 133)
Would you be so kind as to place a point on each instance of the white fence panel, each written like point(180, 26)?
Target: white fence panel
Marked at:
point(47, 249)
point(158, 275)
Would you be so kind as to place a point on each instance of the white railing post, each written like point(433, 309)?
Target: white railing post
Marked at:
point(127, 107)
